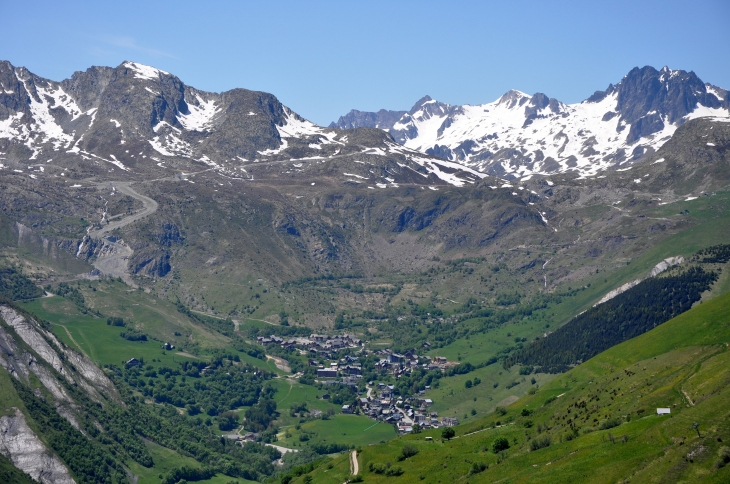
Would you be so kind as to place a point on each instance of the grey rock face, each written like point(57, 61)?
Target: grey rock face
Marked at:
point(27, 452)
point(125, 114)
point(537, 103)
point(383, 119)
point(152, 262)
point(647, 97)
point(85, 373)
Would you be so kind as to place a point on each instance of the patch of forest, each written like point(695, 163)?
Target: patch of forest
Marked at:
point(15, 286)
point(634, 312)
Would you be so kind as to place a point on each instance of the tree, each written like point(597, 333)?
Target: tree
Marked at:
point(409, 450)
point(499, 445)
point(468, 384)
point(416, 429)
point(228, 420)
point(448, 433)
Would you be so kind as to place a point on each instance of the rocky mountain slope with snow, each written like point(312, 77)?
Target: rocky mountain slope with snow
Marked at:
point(127, 172)
point(135, 120)
point(383, 119)
point(520, 135)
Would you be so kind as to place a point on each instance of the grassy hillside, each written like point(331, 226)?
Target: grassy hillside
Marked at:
point(595, 423)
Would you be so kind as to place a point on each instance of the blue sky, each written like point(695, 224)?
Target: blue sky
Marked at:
point(324, 58)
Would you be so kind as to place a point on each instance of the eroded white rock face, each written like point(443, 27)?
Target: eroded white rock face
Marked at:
point(28, 333)
point(666, 264)
point(619, 290)
point(26, 451)
point(658, 269)
point(92, 378)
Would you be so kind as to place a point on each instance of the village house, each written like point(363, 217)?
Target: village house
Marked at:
point(352, 370)
point(450, 421)
point(327, 373)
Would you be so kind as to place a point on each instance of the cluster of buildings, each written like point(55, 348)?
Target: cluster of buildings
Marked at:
point(405, 413)
point(399, 364)
point(393, 363)
point(380, 403)
point(320, 344)
point(347, 367)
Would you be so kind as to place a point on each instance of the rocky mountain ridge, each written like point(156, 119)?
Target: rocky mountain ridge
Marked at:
point(520, 135)
point(383, 119)
point(321, 201)
point(135, 120)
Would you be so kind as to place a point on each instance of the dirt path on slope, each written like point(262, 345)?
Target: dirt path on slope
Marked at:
point(280, 363)
point(689, 399)
point(70, 336)
point(287, 393)
point(353, 463)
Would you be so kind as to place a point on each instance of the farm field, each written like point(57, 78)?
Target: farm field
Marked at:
point(339, 428)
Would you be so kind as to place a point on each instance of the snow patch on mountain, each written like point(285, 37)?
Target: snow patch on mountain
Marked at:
point(44, 122)
point(142, 71)
point(12, 127)
point(200, 116)
point(701, 111)
point(295, 126)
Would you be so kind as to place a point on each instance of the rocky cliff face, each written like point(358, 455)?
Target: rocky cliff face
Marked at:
point(383, 119)
point(27, 452)
point(20, 359)
point(32, 355)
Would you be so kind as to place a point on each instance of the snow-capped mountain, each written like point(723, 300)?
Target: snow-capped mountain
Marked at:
point(520, 135)
point(139, 120)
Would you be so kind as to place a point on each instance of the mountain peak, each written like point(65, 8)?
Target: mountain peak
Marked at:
point(383, 119)
point(419, 104)
point(513, 98)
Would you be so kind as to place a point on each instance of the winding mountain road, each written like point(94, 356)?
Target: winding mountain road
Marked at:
point(150, 207)
point(113, 257)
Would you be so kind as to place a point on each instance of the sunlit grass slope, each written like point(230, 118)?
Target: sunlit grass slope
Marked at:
point(597, 423)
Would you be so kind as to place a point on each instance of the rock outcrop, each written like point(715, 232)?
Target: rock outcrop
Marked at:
point(27, 452)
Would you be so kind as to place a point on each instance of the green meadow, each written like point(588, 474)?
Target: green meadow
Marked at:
point(94, 337)
point(596, 423)
point(165, 460)
point(357, 430)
